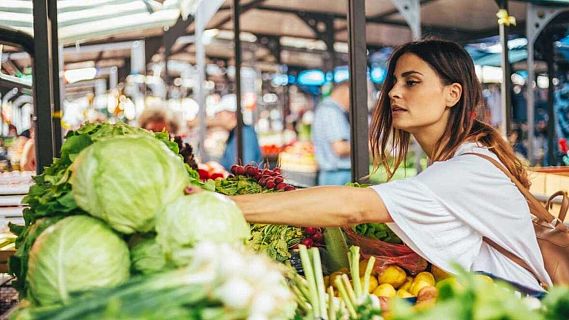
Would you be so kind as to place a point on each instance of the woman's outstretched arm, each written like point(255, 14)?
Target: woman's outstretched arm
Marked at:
point(328, 206)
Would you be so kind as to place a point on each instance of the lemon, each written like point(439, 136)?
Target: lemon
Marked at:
point(332, 279)
point(425, 276)
point(407, 285)
point(393, 275)
point(372, 283)
point(484, 278)
point(439, 273)
point(385, 290)
point(326, 281)
point(450, 283)
point(363, 266)
point(418, 285)
point(402, 293)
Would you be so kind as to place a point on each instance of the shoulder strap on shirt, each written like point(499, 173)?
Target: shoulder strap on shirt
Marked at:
point(535, 207)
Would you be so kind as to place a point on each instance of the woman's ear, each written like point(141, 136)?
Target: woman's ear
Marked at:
point(453, 94)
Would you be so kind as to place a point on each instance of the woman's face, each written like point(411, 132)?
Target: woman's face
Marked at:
point(419, 99)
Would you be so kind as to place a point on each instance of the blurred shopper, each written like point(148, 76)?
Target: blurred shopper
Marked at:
point(226, 118)
point(158, 119)
point(331, 137)
point(28, 156)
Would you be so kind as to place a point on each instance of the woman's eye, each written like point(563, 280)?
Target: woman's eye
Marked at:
point(411, 83)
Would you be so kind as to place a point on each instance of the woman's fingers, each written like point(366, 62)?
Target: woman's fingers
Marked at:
point(192, 190)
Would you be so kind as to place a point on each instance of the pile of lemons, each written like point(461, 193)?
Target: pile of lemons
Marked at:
point(393, 281)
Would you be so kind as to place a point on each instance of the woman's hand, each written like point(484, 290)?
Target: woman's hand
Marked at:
point(192, 190)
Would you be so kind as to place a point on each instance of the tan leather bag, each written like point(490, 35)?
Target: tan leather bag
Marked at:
point(552, 234)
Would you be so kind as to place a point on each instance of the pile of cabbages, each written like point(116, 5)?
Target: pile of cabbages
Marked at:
point(112, 209)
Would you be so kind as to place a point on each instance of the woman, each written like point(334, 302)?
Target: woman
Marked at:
point(443, 213)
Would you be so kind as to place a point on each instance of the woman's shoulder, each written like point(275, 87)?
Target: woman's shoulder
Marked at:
point(463, 168)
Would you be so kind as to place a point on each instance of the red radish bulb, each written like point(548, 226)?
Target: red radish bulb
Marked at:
point(310, 230)
point(281, 186)
point(308, 242)
point(318, 237)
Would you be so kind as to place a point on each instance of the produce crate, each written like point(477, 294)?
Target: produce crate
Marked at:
point(4, 257)
point(300, 179)
point(8, 297)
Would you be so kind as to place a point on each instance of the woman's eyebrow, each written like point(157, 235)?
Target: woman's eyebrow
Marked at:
point(408, 73)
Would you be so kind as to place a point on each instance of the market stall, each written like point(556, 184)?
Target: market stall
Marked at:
point(120, 247)
point(116, 228)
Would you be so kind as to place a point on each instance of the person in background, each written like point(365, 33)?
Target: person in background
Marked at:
point(157, 120)
point(331, 137)
point(226, 118)
point(28, 157)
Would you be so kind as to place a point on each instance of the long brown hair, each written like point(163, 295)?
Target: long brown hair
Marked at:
point(453, 65)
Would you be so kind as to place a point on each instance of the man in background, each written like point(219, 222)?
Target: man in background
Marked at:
point(226, 118)
point(331, 137)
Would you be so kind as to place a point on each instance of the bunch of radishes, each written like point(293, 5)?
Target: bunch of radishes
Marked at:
point(270, 179)
point(313, 237)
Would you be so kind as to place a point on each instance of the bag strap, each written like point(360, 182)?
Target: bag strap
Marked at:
point(535, 207)
point(519, 261)
point(564, 204)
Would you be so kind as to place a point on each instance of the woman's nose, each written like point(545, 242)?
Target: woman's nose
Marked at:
point(394, 92)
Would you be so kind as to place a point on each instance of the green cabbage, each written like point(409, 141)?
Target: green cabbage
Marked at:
point(147, 257)
point(202, 216)
point(76, 254)
point(126, 180)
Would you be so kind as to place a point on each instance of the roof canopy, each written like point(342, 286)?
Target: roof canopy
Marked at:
point(93, 19)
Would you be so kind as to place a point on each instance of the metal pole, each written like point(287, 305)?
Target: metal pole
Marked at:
point(551, 137)
point(237, 47)
point(359, 152)
point(537, 18)
point(506, 85)
point(531, 103)
point(43, 103)
point(56, 73)
point(200, 94)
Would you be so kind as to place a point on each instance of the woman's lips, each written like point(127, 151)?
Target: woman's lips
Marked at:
point(397, 110)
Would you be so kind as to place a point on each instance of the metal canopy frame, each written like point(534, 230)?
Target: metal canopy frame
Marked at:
point(359, 151)
point(43, 74)
point(538, 17)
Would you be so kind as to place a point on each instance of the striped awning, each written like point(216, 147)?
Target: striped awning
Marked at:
point(86, 20)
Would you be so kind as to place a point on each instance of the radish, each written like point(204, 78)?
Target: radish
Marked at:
point(279, 180)
point(281, 186)
point(318, 237)
point(308, 242)
point(251, 170)
point(263, 181)
point(289, 188)
point(270, 184)
point(310, 230)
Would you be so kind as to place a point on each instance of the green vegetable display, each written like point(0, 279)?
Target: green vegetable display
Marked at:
point(147, 257)
point(75, 254)
point(275, 240)
point(51, 196)
point(472, 298)
point(220, 283)
point(379, 231)
point(202, 216)
point(238, 185)
point(127, 194)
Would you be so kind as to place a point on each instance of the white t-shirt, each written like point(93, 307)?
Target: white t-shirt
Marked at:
point(443, 213)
